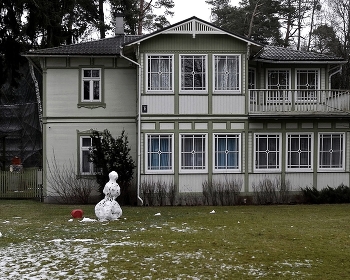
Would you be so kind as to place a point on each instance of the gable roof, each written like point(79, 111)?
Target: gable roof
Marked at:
point(102, 47)
point(275, 54)
point(193, 26)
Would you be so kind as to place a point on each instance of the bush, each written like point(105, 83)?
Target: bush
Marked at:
point(158, 193)
point(272, 191)
point(341, 194)
point(221, 193)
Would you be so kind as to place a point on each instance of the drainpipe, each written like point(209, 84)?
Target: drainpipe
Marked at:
point(332, 74)
point(138, 124)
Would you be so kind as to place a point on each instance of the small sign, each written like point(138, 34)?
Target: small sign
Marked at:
point(144, 108)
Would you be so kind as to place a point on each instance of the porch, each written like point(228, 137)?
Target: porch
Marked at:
point(299, 102)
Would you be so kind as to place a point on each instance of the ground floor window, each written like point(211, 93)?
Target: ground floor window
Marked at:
point(159, 152)
point(331, 151)
point(299, 151)
point(86, 167)
point(227, 152)
point(193, 152)
point(267, 152)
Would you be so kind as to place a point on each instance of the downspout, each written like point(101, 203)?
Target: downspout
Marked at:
point(332, 74)
point(138, 123)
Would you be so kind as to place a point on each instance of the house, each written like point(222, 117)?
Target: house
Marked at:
point(199, 104)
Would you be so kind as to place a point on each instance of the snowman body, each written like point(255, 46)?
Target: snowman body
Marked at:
point(108, 209)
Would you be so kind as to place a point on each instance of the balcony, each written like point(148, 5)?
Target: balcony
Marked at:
point(302, 103)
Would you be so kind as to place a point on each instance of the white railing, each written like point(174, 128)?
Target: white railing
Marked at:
point(265, 101)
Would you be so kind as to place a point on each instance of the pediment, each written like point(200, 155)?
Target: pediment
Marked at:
point(193, 27)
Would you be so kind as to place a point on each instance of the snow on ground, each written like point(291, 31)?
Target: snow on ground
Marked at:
point(87, 258)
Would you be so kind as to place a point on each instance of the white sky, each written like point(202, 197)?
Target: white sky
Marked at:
point(187, 8)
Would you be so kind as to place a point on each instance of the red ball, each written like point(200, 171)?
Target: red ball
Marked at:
point(77, 213)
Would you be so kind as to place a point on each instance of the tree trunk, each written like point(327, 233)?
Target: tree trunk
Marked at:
point(37, 93)
point(101, 17)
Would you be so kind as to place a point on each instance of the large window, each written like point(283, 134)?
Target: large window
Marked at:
point(267, 152)
point(278, 82)
point(159, 151)
point(227, 152)
point(307, 82)
point(193, 73)
point(299, 151)
point(91, 85)
point(160, 73)
point(331, 151)
point(193, 152)
point(86, 167)
point(227, 72)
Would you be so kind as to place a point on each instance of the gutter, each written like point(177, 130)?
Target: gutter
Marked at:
point(138, 124)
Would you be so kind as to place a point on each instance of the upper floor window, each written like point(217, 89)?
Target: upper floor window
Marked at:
point(193, 152)
point(193, 73)
point(331, 151)
point(160, 73)
point(299, 151)
point(307, 82)
point(91, 85)
point(227, 152)
point(159, 150)
point(226, 72)
point(86, 166)
point(278, 81)
point(267, 152)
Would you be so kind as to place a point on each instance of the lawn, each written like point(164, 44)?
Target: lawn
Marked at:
point(42, 241)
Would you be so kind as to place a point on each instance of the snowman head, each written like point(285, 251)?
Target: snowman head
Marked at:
point(113, 176)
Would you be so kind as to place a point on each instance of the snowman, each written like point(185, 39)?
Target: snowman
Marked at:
point(108, 209)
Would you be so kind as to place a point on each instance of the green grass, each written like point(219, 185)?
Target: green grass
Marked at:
point(239, 242)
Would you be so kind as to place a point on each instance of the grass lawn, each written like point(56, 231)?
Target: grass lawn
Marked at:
point(41, 241)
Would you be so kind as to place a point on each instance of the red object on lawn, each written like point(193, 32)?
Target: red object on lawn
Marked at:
point(77, 213)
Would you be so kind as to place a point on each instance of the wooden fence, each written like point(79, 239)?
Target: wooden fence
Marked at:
point(25, 184)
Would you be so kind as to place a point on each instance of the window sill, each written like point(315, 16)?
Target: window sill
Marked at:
point(92, 105)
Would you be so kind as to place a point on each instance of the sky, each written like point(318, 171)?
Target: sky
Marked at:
point(187, 8)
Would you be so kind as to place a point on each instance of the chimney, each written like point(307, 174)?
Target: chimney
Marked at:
point(119, 23)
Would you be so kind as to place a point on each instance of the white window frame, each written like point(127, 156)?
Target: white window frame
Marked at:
point(91, 81)
point(148, 170)
point(315, 96)
point(331, 169)
point(171, 73)
point(216, 136)
point(82, 149)
point(205, 90)
point(204, 169)
point(215, 74)
point(297, 168)
point(273, 95)
point(279, 157)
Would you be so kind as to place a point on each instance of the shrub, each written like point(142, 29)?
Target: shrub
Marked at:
point(221, 193)
point(272, 191)
point(341, 194)
point(158, 193)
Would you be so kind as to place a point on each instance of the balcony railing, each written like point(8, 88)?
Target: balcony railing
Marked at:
point(299, 102)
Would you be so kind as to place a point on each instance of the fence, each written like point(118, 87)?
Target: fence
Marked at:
point(25, 184)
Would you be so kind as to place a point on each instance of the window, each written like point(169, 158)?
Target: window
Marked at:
point(193, 152)
point(227, 72)
point(299, 151)
point(193, 73)
point(159, 152)
point(91, 85)
point(277, 83)
point(227, 152)
point(251, 85)
point(86, 167)
point(267, 152)
point(307, 83)
point(160, 73)
point(331, 151)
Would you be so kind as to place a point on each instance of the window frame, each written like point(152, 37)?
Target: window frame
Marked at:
point(297, 86)
point(215, 75)
point(238, 136)
point(272, 99)
point(147, 80)
point(183, 170)
point(309, 152)
point(342, 152)
point(91, 103)
point(147, 152)
point(92, 169)
point(266, 170)
point(191, 91)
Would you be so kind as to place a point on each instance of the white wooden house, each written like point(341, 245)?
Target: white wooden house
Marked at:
point(199, 103)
